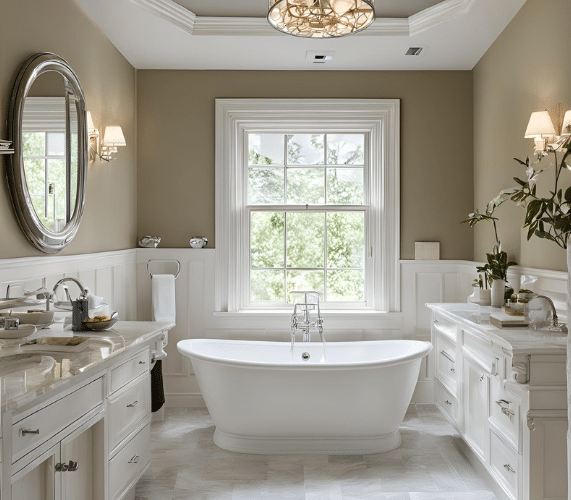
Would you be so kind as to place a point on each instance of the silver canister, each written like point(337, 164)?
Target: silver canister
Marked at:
point(79, 314)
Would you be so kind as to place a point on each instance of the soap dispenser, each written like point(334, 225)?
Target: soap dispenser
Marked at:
point(79, 313)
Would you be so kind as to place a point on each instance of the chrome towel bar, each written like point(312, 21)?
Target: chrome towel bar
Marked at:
point(167, 261)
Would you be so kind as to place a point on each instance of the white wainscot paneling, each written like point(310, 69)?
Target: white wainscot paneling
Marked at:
point(421, 282)
point(107, 274)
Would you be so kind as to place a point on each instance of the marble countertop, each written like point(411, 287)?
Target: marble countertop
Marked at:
point(27, 374)
point(516, 340)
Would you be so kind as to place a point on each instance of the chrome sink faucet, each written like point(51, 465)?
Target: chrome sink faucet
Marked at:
point(555, 326)
point(84, 290)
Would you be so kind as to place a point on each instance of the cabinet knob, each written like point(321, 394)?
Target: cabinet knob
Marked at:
point(509, 468)
point(134, 460)
point(73, 466)
point(23, 432)
point(133, 404)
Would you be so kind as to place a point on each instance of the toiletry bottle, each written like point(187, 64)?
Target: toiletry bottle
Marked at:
point(79, 313)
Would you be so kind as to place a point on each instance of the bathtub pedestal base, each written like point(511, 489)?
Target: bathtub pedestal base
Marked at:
point(307, 446)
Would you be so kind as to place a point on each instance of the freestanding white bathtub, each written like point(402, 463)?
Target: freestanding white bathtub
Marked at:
point(264, 399)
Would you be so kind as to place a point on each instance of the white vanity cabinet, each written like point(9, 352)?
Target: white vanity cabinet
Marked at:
point(86, 434)
point(505, 391)
point(129, 423)
point(58, 448)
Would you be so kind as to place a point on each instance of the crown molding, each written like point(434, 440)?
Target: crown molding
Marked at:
point(257, 26)
point(169, 11)
point(233, 26)
point(437, 14)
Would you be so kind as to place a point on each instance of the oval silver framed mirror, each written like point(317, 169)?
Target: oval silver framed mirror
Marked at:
point(47, 173)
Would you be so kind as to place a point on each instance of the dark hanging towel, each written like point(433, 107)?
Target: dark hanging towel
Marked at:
point(157, 390)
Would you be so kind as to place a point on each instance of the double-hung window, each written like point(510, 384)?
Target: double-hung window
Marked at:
point(307, 195)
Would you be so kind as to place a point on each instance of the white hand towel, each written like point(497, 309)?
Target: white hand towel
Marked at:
point(163, 288)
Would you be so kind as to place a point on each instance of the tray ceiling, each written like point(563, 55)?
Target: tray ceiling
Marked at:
point(220, 34)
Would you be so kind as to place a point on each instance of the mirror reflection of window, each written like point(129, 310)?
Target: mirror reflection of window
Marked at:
point(44, 151)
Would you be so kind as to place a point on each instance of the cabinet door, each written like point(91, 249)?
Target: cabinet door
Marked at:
point(475, 405)
point(37, 481)
point(83, 460)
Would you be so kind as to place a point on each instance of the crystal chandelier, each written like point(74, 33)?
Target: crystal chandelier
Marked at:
point(321, 18)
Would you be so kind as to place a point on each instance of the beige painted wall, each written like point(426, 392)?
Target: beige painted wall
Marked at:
point(526, 69)
point(109, 84)
point(176, 146)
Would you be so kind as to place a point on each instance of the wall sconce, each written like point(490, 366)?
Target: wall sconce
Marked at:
point(540, 128)
point(112, 139)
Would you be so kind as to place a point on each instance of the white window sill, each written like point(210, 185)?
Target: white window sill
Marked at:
point(327, 313)
point(341, 320)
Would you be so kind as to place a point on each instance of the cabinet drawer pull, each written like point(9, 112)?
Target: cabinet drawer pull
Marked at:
point(71, 467)
point(23, 432)
point(505, 407)
point(448, 402)
point(482, 377)
point(134, 460)
point(447, 356)
point(133, 404)
point(142, 362)
point(452, 370)
point(436, 321)
point(509, 468)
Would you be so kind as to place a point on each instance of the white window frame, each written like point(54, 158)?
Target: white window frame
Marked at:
point(379, 118)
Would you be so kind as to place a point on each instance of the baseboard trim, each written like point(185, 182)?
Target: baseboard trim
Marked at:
point(191, 400)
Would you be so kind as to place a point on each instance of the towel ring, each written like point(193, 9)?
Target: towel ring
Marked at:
point(171, 261)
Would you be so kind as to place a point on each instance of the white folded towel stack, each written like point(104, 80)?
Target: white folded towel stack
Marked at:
point(163, 289)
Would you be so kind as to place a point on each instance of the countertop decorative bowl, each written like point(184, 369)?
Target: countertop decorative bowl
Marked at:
point(100, 325)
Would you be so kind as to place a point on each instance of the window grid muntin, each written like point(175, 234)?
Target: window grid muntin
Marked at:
point(365, 207)
point(46, 157)
point(310, 208)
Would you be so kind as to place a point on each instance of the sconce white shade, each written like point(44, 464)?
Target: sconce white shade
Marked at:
point(566, 128)
point(540, 124)
point(114, 136)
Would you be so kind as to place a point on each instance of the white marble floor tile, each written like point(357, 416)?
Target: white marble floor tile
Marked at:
point(431, 464)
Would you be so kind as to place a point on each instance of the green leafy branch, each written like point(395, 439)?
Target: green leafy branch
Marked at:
point(546, 217)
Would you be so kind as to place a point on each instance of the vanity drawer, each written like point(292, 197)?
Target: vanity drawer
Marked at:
point(33, 430)
point(505, 466)
point(446, 366)
point(505, 414)
point(443, 325)
point(447, 403)
point(129, 370)
point(129, 462)
point(127, 408)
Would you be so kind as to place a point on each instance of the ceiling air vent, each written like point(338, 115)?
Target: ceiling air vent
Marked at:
point(414, 51)
point(319, 56)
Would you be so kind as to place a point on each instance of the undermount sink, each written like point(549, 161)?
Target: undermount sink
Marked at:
point(19, 363)
point(20, 373)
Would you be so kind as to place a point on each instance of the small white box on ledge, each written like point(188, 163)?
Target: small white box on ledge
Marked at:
point(427, 250)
